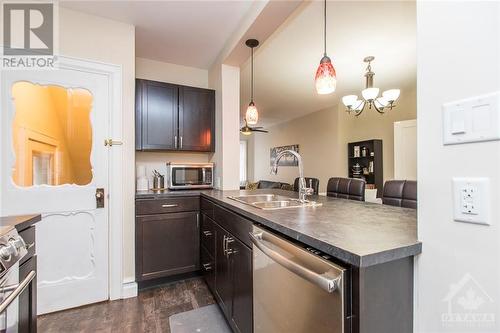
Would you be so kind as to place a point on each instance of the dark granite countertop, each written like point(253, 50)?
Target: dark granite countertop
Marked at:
point(359, 233)
point(20, 222)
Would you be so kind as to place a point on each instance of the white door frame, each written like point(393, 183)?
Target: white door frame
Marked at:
point(115, 171)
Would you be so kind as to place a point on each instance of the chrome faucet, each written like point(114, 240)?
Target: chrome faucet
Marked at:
point(304, 191)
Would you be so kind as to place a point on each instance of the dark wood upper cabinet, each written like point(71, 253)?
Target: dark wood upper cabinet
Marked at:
point(158, 113)
point(196, 119)
point(174, 117)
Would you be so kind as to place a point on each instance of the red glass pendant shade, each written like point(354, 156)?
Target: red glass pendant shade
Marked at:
point(326, 78)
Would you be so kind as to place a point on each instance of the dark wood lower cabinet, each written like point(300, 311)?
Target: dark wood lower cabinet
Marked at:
point(232, 274)
point(223, 276)
point(167, 244)
point(242, 309)
point(27, 299)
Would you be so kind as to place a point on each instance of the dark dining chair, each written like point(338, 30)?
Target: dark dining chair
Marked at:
point(346, 188)
point(310, 182)
point(400, 193)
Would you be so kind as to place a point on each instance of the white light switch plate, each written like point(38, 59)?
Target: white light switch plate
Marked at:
point(472, 120)
point(471, 197)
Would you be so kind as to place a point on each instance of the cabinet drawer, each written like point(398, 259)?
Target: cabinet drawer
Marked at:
point(167, 205)
point(236, 225)
point(208, 269)
point(28, 236)
point(207, 207)
point(207, 234)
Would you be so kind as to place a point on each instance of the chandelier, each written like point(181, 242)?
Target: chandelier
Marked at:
point(370, 95)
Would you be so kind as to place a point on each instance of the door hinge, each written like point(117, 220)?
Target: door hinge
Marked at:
point(111, 142)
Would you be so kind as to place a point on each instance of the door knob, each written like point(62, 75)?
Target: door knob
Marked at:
point(99, 197)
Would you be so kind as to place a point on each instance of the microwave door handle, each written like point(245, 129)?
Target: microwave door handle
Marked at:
point(17, 291)
point(328, 284)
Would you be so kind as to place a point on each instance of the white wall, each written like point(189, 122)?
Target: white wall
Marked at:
point(458, 57)
point(225, 80)
point(166, 72)
point(171, 73)
point(95, 38)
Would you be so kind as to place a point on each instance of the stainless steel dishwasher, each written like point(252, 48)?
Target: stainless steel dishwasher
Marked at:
point(294, 290)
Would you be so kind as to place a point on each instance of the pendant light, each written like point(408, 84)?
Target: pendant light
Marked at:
point(252, 114)
point(326, 78)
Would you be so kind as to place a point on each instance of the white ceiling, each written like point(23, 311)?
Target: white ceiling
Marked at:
point(190, 33)
point(286, 63)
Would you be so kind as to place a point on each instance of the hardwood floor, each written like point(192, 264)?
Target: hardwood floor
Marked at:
point(149, 312)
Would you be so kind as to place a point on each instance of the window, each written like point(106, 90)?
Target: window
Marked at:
point(51, 135)
point(243, 162)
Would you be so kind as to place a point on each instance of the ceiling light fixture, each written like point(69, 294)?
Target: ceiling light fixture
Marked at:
point(326, 77)
point(247, 130)
point(370, 95)
point(252, 114)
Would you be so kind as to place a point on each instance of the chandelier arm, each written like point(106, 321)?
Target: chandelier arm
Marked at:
point(381, 110)
point(357, 113)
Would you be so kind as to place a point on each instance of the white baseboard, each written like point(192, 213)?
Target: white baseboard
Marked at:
point(129, 289)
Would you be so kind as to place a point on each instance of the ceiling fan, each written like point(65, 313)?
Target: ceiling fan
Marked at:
point(247, 130)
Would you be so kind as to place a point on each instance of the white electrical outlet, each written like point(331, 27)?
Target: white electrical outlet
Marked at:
point(471, 200)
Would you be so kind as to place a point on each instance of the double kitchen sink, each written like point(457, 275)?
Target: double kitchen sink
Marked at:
point(273, 201)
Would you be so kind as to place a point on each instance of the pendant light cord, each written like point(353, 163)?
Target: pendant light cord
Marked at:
point(251, 97)
point(325, 28)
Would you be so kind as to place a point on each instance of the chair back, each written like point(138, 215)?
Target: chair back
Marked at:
point(400, 193)
point(346, 188)
point(310, 182)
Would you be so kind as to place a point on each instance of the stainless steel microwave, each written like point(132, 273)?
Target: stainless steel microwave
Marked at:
point(190, 175)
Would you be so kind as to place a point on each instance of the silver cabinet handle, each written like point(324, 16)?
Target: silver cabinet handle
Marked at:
point(181, 141)
point(224, 245)
point(207, 267)
point(207, 233)
point(175, 142)
point(325, 283)
point(229, 251)
point(169, 206)
point(18, 290)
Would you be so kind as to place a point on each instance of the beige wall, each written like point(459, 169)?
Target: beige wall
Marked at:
point(372, 125)
point(171, 73)
point(95, 38)
point(323, 136)
point(317, 137)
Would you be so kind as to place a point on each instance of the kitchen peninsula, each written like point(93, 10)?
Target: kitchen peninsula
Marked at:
point(375, 244)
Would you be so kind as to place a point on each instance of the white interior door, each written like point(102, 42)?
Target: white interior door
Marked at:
point(53, 128)
point(405, 149)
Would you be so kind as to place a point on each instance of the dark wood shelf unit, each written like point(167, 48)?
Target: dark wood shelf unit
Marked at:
point(377, 176)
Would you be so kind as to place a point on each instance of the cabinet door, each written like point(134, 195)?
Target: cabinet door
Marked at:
point(241, 266)
point(208, 268)
point(159, 115)
point(223, 279)
point(196, 119)
point(167, 244)
point(27, 299)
